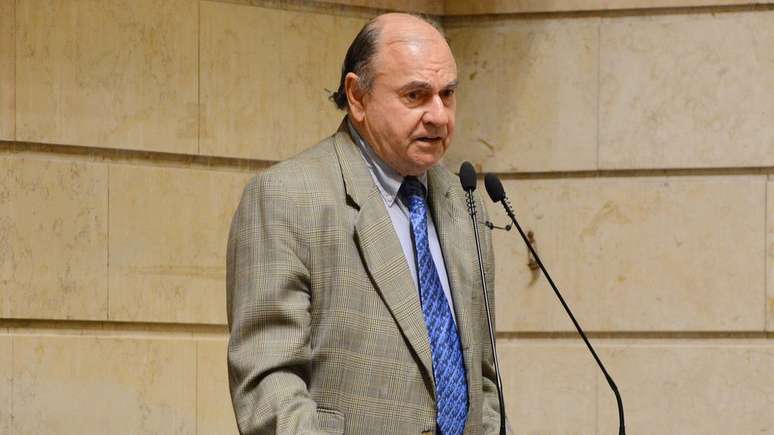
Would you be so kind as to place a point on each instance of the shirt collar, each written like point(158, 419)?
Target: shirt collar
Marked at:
point(387, 179)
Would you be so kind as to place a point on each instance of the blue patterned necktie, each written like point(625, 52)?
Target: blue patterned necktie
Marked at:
point(451, 388)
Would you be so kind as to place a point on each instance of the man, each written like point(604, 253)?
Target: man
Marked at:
point(354, 298)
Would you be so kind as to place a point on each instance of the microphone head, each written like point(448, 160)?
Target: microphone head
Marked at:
point(494, 187)
point(467, 177)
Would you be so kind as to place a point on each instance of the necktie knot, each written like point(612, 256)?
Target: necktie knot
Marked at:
point(412, 188)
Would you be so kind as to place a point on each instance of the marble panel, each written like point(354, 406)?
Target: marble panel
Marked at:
point(687, 91)
point(770, 256)
point(7, 69)
point(87, 384)
point(265, 77)
point(214, 412)
point(635, 254)
point(549, 386)
point(5, 381)
point(168, 234)
point(53, 239)
point(108, 73)
point(527, 99)
point(432, 7)
point(467, 7)
point(690, 389)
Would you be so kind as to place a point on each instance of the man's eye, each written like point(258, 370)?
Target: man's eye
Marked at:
point(447, 93)
point(412, 96)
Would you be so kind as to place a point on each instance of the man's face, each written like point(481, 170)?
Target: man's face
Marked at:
point(408, 114)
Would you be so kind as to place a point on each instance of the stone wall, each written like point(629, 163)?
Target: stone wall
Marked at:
point(636, 140)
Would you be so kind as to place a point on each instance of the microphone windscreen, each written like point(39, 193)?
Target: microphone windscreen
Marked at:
point(467, 177)
point(494, 187)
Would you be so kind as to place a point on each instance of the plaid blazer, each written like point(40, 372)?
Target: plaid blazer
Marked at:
point(326, 330)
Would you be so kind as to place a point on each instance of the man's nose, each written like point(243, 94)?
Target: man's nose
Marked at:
point(436, 112)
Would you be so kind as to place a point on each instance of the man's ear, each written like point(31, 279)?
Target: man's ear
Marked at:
point(354, 96)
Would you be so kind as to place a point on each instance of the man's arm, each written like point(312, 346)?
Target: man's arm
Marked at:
point(268, 299)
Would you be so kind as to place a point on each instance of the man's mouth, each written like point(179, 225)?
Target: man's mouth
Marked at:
point(429, 139)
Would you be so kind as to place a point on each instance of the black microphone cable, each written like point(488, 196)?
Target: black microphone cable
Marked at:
point(468, 181)
point(497, 193)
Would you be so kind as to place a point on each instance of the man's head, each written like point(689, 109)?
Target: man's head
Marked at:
point(398, 84)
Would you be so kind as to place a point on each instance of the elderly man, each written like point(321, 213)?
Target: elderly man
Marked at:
point(354, 296)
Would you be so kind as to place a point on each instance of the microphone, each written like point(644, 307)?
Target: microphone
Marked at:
point(468, 181)
point(467, 177)
point(497, 193)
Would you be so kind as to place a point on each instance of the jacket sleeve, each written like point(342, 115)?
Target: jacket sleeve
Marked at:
point(268, 299)
point(491, 403)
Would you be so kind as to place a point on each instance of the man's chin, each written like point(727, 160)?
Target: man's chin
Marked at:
point(420, 166)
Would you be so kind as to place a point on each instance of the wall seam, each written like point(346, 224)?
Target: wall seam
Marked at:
point(107, 256)
point(597, 379)
point(765, 256)
point(196, 385)
point(199, 78)
point(238, 164)
point(15, 68)
point(490, 17)
point(137, 157)
point(10, 420)
point(339, 7)
point(599, 82)
point(332, 7)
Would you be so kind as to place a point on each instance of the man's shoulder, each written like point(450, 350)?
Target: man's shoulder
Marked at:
point(320, 157)
point(313, 170)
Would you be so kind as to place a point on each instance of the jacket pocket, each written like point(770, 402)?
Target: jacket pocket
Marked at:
point(330, 421)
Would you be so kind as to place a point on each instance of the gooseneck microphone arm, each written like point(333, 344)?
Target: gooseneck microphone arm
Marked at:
point(496, 192)
point(468, 181)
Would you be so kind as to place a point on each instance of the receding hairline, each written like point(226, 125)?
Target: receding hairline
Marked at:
point(369, 44)
point(384, 29)
point(411, 29)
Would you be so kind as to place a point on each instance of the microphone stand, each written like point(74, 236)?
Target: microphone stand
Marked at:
point(509, 210)
point(472, 211)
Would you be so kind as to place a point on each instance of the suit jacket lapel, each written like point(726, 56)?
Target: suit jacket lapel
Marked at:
point(381, 250)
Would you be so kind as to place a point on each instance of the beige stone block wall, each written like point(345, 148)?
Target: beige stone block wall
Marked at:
point(691, 387)
point(168, 243)
point(527, 94)
point(79, 385)
point(432, 7)
point(687, 91)
point(550, 386)
point(669, 261)
point(107, 73)
point(214, 414)
point(479, 7)
point(53, 233)
point(7, 69)
point(634, 144)
point(5, 381)
point(770, 256)
point(636, 254)
point(262, 101)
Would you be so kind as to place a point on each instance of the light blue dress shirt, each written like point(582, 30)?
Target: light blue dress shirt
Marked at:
point(388, 181)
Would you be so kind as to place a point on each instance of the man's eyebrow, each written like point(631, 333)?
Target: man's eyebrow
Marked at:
point(415, 85)
point(425, 86)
